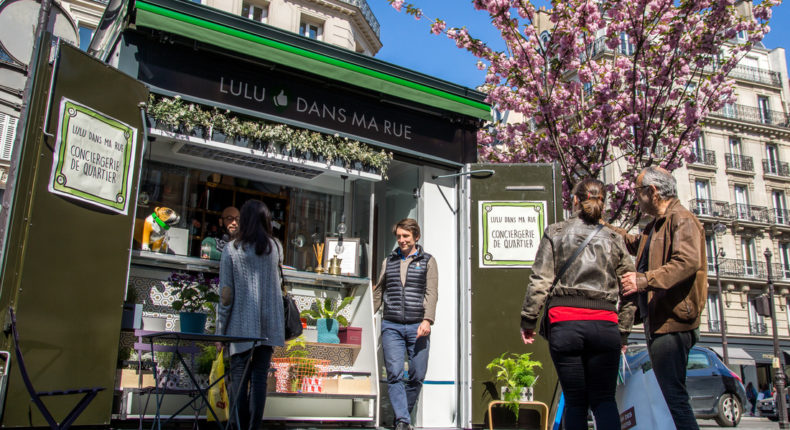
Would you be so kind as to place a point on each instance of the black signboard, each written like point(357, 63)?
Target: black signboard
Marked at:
point(309, 99)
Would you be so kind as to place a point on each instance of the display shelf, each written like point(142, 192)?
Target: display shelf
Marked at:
point(320, 395)
point(335, 352)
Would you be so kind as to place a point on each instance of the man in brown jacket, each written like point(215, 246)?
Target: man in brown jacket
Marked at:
point(672, 283)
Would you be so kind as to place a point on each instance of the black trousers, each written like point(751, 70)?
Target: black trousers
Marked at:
point(586, 355)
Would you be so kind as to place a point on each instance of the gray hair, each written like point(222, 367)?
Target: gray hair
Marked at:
point(665, 183)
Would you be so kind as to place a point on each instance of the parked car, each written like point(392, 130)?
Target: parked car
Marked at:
point(716, 392)
point(767, 408)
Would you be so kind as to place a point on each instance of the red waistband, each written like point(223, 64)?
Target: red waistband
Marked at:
point(566, 313)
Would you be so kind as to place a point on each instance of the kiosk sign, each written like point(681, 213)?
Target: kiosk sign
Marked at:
point(93, 157)
point(510, 232)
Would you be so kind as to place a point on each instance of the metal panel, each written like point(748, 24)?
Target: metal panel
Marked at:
point(496, 294)
point(66, 264)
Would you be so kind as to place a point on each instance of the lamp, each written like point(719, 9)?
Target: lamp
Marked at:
point(341, 227)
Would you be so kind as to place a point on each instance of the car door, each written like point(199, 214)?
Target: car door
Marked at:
point(703, 381)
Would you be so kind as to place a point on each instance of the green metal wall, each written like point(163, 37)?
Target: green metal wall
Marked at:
point(66, 263)
point(497, 294)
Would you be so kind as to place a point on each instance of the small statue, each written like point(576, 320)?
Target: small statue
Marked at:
point(154, 237)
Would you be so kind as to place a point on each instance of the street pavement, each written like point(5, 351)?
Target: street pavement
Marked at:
point(746, 423)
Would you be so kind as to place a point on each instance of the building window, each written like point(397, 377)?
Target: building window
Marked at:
point(311, 30)
point(626, 47)
point(771, 159)
point(255, 12)
point(85, 37)
point(764, 105)
point(741, 202)
point(784, 260)
point(780, 207)
point(710, 250)
point(756, 321)
point(714, 320)
point(741, 35)
point(702, 189)
point(699, 147)
point(749, 252)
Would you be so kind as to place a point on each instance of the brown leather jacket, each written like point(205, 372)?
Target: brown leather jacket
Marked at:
point(592, 281)
point(677, 277)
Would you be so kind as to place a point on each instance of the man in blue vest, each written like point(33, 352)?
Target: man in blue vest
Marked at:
point(408, 288)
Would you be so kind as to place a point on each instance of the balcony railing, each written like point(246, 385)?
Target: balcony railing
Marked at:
point(714, 326)
point(740, 162)
point(756, 74)
point(706, 157)
point(758, 328)
point(774, 167)
point(753, 114)
point(745, 212)
point(780, 216)
point(711, 208)
point(742, 268)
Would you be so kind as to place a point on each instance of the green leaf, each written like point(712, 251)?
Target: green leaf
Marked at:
point(342, 320)
point(328, 304)
point(346, 301)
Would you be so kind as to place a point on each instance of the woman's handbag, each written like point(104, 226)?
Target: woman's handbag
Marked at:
point(293, 322)
point(544, 321)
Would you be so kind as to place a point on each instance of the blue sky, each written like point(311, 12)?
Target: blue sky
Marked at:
point(408, 43)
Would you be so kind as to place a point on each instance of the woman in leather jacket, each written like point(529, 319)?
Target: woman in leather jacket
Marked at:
point(588, 319)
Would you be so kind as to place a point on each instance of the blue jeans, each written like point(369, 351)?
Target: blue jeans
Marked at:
point(586, 355)
point(398, 340)
point(252, 398)
point(669, 354)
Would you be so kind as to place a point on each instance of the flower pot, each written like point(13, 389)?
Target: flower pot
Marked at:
point(218, 136)
point(527, 393)
point(327, 330)
point(198, 131)
point(192, 322)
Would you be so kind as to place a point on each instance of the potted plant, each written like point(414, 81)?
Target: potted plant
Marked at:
point(193, 295)
point(517, 372)
point(328, 318)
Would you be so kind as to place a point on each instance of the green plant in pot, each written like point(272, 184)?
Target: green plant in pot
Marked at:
point(517, 373)
point(328, 318)
point(301, 366)
point(194, 294)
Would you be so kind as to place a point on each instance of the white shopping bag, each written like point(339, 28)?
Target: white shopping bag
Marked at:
point(639, 400)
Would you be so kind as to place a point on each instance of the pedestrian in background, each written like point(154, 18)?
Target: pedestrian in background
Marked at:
point(408, 289)
point(251, 305)
point(751, 396)
point(671, 284)
point(576, 276)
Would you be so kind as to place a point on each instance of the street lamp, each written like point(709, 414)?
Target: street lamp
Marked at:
point(718, 229)
point(779, 361)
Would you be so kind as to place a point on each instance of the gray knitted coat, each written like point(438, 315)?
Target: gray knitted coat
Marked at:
point(256, 309)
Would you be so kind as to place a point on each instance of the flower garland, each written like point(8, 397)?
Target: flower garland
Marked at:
point(192, 118)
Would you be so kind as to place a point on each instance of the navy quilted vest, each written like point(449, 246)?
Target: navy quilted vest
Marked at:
point(404, 303)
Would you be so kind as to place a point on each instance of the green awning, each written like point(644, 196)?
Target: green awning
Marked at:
point(157, 17)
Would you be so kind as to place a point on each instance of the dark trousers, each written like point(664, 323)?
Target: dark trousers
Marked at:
point(669, 354)
point(586, 355)
point(252, 396)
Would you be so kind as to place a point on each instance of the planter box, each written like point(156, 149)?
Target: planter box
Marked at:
point(352, 335)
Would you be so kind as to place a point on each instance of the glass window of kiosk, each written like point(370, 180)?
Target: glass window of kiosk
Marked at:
point(192, 203)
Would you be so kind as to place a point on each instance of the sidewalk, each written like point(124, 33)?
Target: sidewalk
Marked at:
point(747, 422)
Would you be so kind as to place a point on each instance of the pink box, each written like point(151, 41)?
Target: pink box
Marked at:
point(351, 335)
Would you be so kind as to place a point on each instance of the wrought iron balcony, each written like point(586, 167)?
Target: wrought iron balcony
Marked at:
point(758, 328)
point(753, 114)
point(734, 268)
point(780, 216)
point(774, 167)
point(714, 326)
point(756, 74)
point(706, 157)
point(710, 208)
point(740, 162)
point(745, 212)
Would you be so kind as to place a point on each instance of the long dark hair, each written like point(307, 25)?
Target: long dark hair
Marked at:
point(255, 227)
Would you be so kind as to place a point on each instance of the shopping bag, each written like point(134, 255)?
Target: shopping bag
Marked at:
point(640, 401)
point(218, 393)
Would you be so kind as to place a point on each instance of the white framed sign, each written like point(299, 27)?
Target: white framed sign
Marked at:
point(93, 157)
point(349, 265)
point(510, 232)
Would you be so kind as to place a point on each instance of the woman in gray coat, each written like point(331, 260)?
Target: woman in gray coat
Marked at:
point(251, 305)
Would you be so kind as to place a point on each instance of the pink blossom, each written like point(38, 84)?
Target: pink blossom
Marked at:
point(438, 26)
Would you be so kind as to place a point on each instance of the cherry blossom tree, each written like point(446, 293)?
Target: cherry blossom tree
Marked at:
point(600, 83)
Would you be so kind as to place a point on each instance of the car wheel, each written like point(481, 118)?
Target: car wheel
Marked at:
point(730, 411)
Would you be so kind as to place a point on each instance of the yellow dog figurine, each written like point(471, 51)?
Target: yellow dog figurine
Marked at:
point(154, 237)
